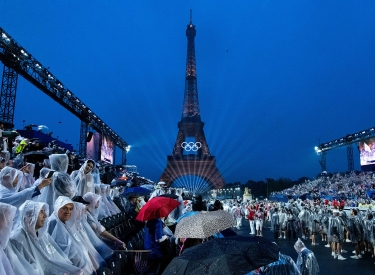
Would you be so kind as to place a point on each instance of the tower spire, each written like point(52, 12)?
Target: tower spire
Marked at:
point(191, 155)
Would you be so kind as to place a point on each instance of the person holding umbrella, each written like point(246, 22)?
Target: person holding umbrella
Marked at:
point(155, 240)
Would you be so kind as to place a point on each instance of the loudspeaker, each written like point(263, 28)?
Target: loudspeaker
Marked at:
point(89, 136)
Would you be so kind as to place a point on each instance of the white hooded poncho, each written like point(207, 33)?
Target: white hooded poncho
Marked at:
point(61, 185)
point(67, 238)
point(78, 215)
point(11, 262)
point(7, 213)
point(38, 248)
point(84, 182)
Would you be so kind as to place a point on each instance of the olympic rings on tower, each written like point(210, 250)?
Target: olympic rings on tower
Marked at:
point(191, 146)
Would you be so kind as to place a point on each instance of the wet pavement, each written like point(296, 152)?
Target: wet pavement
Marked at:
point(328, 265)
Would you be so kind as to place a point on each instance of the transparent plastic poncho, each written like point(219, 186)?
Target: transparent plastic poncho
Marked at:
point(7, 213)
point(62, 184)
point(84, 182)
point(77, 219)
point(306, 261)
point(37, 246)
point(67, 238)
point(102, 210)
point(28, 177)
point(93, 213)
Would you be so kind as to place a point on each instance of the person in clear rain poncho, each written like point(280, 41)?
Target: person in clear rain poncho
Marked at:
point(79, 213)
point(42, 174)
point(92, 219)
point(10, 180)
point(284, 266)
point(62, 184)
point(104, 192)
point(306, 261)
point(99, 245)
point(28, 176)
point(33, 242)
point(83, 178)
point(7, 213)
point(12, 263)
point(67, 237)
point(102, 210)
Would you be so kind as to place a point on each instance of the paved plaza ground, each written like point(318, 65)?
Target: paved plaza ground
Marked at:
point(328, 265)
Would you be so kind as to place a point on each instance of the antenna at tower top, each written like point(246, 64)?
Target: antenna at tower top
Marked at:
point(191, 16)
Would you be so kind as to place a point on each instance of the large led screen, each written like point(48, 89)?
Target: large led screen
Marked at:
point(367, 151)
point(107, 150)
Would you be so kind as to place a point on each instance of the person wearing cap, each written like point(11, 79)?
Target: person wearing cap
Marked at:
point(67, 237)
point(306, 261)
point(336, 235)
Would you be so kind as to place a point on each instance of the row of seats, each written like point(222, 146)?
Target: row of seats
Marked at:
point(114, 220)
point(123, 228)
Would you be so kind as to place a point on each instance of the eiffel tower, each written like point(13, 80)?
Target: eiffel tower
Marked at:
point(191, 158)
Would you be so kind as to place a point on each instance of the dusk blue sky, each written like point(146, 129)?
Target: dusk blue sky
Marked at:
point(274, 77)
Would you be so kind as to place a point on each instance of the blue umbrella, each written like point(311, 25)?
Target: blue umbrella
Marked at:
point(187, 214)
point(136, 192)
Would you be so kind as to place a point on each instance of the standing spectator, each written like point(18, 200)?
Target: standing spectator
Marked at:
point(336, 235)
point(259, 218)
point(275, 220)
point(251, 218)
point(237, 216)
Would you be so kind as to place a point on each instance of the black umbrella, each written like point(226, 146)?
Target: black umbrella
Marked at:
point(227, 256)
point(35, 156)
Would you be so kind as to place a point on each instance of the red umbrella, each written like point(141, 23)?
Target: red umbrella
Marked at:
point(157, 207)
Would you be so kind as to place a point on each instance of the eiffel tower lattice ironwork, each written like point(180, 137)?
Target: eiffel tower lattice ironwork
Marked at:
point(201, 163)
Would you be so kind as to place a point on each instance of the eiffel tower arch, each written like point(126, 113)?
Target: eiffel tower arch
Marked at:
point(191, 155)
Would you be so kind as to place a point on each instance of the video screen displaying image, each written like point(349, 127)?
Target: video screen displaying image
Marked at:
point(367, 151)
point(107, 150)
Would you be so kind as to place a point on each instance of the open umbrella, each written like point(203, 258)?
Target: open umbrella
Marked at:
point(34, 156)
point(187, 214)
point(157, 207)
point(285, 265)
point(229, 256)
point(204, 224)
point(136, 192)
point(119, 183)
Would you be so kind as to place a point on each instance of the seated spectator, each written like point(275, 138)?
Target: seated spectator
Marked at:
point(99, 245)
point(92, 219)
point(61, 185)
point(7, 213)
point(83, 178)
point(12, 263)
point(28, 175)
point(33, 242)
point(10, 179)
point(79, 213)
point(66, 238)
